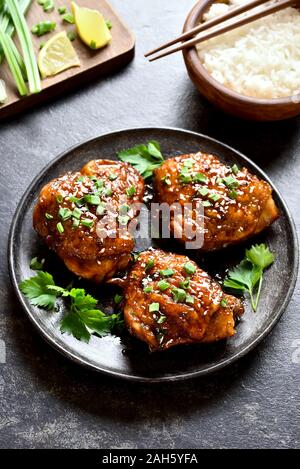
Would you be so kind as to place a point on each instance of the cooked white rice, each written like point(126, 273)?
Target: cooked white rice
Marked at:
point(261, 59)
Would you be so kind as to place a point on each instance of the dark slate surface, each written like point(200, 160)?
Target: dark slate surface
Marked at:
point(46, 401)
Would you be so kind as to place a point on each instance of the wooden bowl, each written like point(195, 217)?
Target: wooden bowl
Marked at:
point(226, 99)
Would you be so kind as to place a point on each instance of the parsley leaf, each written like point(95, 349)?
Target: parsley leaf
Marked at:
point(38, 291)
point(248, 275)
point(260, 255)
point(82, 318)
point(35, 264)
point(144, 158)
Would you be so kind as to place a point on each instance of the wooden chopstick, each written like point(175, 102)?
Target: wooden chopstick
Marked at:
point(280, 5)
point(232, 12)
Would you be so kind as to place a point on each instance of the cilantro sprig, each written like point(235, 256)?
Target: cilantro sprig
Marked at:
point(144, 158)
point(83, 318)
point(248, 275)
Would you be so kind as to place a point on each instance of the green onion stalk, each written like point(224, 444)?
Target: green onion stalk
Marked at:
point(23, 33)
point(6, 23)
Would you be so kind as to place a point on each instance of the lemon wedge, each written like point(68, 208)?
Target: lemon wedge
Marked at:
point(57, 55)
point(91, 27)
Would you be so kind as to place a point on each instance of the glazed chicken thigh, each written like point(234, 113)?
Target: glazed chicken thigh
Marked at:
point(169, 300)
point(69, 209)
point(236, 203)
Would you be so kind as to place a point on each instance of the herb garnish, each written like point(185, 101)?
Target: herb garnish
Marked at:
point(189, 268)
point(179, 295)
point(248, 275)
point(163, 285)
point(82, 318)
point(144, 158)
point(223, 303)
point(35, 264)
point(153, 307)
point(235, 169)
point(150, 264)
point(43, 27)
point(131, 191)
point(68, 18)
point(62, 10)
point(167, 272)
point(60, 228)
point(87, 222)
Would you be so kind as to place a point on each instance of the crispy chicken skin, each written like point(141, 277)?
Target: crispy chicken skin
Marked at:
point(237, 205)
point(163, 316)
point(75, 196)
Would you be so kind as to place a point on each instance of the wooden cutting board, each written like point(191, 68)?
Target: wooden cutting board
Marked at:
point(93, 63)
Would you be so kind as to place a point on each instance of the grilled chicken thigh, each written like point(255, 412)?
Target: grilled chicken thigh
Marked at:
point(169, 300)
point(69, 210)
point(237, 204)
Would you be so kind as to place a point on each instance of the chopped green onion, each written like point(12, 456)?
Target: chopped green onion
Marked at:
point(43, 27)
point(203, 191)
point(179, 295)
point(92, 199)
point(235, 169)
point(153, 307)
point(26, 45)
point(131, 191)
point(86, 222)
point(64, 213)
point(76, 222)
point(149, 264)
point(231, 182)
point(190, 299)
point(59, 199)
point(108, 24)
point(167, 272)
point(48, 5)
point(185, 284)
point(93, 45)
point(71, 35)
point(48, 216)
point(76, 213)
point(148, 289)
point(184, 176)
point(62, 10)
point(161, 319)
point(163, 285)
point(214, 197)
point(190, 268)
point(233, 194)
point(101, 209)
point(60, 228)
point(200, 177)
point(68, 18)
point(223, 303)
point(206, 203)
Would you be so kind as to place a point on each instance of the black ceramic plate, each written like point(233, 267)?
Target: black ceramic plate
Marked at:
point(124, 356)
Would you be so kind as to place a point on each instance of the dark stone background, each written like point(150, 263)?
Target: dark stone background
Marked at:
point(47, 401)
